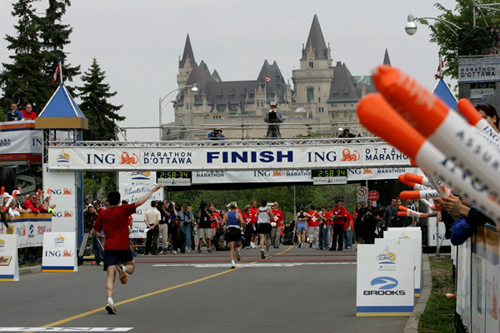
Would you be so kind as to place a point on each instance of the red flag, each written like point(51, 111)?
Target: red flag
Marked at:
point(268, 79)
point(439, 72)
point(58, 70)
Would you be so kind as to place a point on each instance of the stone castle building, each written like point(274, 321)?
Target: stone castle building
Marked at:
point(323, 98)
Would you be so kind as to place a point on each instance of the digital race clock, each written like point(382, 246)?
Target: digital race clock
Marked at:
point(330, 173)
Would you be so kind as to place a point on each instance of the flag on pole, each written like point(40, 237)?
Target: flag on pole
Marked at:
point(58, 70)
point(268, 79)
point(439, 72)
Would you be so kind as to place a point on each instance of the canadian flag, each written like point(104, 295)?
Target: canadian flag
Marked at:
point(58, 70)
point(439, 72)
point(268, 79)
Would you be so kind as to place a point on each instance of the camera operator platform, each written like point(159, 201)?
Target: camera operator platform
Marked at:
point(273, 117)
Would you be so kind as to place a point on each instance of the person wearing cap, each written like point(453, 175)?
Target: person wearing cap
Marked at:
point(216, 134)
point(233, 224)
point(273, 117)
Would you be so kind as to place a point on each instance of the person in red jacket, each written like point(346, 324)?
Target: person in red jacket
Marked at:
point(276, 224)
point(348, 227)
point(313, 222)
point(339, 218)
point(33, 203)
point(324, 228)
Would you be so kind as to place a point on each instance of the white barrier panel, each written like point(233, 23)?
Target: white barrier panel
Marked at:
point(62, 187)
point(431, 230)
point(17, 137)
point(225, 157)
point(29, 229)
point(378, 173)
point(133, 185)
point(384, 283)
point(262, 176)
point(59, 252)
point(139, 230)
point(9, 266)
point(392, 241)
point(415, 235)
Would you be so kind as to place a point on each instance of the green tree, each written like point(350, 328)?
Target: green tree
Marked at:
point(462, 16)
point(102, 117)
point(54, 37)
point(101, 114)
point(23, 80)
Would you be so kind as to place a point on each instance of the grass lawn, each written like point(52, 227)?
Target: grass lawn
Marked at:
point(439, 315)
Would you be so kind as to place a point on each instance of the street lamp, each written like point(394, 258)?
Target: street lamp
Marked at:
point(194, 88)
point(411, 26)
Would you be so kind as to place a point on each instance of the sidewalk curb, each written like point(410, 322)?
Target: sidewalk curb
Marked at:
point(30, 270)
point(412, 323)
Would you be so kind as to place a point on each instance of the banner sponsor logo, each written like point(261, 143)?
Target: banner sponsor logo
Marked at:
point(59, 241)
point(5, 143)
point(386, 257)
point(385, 282)
point(63, 157)
point(385, 285)
point(129, 159)
point(2, 245)
point(5, 260)
point(65, 253)
point(141, 175)
point(41, 229)
point(61, 191)
point(31, 233)
point(348, 156)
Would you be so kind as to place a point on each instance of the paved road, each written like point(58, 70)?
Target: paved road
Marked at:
point(293, 290)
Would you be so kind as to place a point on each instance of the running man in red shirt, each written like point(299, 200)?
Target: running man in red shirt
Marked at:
point(313, 222)
point(117, 254)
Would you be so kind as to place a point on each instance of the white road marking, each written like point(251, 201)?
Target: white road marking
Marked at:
point(292, 264)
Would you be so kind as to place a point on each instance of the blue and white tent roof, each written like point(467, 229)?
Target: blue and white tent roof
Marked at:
point(61, 105)
point(442, 91)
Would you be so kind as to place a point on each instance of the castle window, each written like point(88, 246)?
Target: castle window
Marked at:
point(311, 64)
point(319, 99)
point(310, 94)
point(221, 107)
point(217, 117)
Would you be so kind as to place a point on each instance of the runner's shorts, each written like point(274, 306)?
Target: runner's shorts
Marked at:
point(301, 226)
point(113, 257)
point(233, 235)
point(264, 228)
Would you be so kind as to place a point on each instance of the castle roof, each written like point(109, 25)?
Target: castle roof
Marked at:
point(188, 53)
point(316, 41)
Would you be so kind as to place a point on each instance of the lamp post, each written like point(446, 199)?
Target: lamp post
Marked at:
point(194, 88)
point(411, 26)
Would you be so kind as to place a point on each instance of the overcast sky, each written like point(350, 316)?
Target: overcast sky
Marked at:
point(138, 42)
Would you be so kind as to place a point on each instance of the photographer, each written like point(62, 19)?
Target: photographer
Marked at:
point(216, 134)
point(165, 215)
point(204, 228)
point(273, 117)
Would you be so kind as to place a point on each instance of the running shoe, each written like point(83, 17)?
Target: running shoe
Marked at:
point(209, 250)
point(300, 245)
point(233, 265)
point(267, 255)
point(262, 254)
point(310, 245)
point(123, 276)
point(111, 309)
point(199, 250)
point(238, 257)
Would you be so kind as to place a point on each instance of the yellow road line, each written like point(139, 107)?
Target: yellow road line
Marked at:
point(81, 315)
point(88, 313)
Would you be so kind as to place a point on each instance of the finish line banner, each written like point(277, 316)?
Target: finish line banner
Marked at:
point(199, 158)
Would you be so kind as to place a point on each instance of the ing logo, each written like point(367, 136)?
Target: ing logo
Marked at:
point(67, 191)
point(347, 156)
point(68, 214)
point(141, 175)
point(129, 159)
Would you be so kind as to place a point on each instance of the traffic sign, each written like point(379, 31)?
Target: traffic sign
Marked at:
point(373, 195)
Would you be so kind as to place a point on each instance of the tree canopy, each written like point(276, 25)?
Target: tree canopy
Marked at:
point(462, 15)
